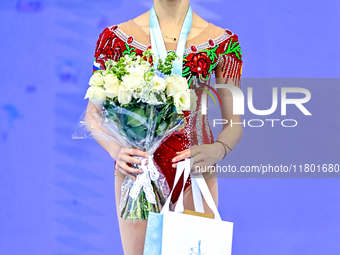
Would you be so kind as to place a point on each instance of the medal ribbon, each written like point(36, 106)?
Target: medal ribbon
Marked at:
point(157, 42)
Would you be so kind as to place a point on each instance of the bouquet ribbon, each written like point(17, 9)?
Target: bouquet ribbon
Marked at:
point(150, 173)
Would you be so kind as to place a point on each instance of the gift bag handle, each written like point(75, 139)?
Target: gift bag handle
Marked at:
point(183, 166)
point(204, 189)
point(197, 197)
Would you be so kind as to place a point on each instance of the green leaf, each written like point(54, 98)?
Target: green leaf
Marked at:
point(134, 122)
point(137, 133)
point(162, 128)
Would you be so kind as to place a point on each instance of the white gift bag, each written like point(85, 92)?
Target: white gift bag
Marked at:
point(193, 235)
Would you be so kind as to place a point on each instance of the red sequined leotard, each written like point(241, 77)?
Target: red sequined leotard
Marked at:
point(213, 51)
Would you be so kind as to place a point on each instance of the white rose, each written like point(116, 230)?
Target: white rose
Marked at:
point(127, 59)
point(124, 96)
point(134, 79)
point(139, 70)
point(111, 85)
point(182, 101)
point(144, 65)
point(97, 79)
point(158, 83)
point(95, 95)
point(174, 84)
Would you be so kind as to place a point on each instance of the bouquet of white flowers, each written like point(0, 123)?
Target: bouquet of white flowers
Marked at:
point(140, 105)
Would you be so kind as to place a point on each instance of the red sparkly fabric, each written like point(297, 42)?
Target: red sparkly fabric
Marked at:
point(199, 61)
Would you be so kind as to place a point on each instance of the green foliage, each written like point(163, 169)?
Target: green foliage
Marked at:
point(116, 68)
point(165, 66)
point(136, 119)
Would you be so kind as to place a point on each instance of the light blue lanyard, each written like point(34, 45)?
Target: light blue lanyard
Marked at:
point(157, 42)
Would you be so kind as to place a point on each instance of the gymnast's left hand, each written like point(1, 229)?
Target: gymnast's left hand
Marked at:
point(203, 155)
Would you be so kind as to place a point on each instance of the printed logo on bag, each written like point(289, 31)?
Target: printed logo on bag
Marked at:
point(197, 250)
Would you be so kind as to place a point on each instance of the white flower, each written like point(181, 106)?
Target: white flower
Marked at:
point(127, 59)
point(111, 85)
point(134, 79)
point(145, 66)
point(124, 96)
point(95, 94)
point(153, 100)
point(97, 79)
point(158, 84)
point(174, 84)
point(182, 101)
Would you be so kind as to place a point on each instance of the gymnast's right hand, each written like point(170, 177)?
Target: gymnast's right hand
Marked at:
point(126, 158)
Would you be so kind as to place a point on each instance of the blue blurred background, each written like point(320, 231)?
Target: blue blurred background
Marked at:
point(57, 194)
